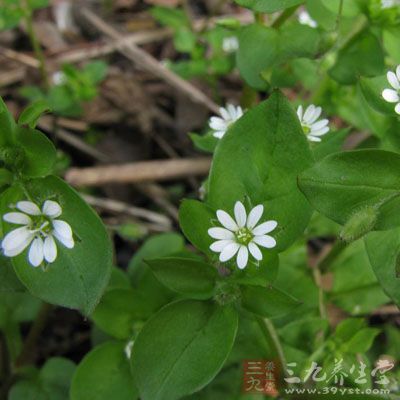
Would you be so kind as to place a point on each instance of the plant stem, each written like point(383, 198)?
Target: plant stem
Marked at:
point(272, 338)
point(36, 45)
point(286, 14)
point(34, 333)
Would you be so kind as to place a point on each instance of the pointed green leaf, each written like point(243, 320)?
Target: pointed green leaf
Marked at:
point(33, 112)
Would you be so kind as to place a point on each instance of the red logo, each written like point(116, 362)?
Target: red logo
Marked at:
point(260, 376)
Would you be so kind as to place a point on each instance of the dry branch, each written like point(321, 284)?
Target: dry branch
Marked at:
point(145, 171)
point(149, 63)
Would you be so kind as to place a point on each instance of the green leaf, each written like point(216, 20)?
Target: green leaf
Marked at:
point(332, 143)
point(119, 309)
point(347, 328)
point(39, 152)
point(192, 278)
point(32, 113)
point(259, 158)
point(79, 276)
point(350, 8)
point(182, 348)
point(267, 301)
point(363, 56)
point(372, 90)
point(7, 123)
point(51, 383)
point(343, 184)
point(383, 251)
point(261, 47)
point(391, 42)
point(268, 6)
point(205, 142)
point(168, 16)
point(361, 341)
point(195, 219)
point(95, 71)
point(104, 374)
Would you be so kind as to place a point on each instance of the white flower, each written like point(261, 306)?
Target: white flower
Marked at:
point(393, 95)
point(229, 115)
point(311, 127)
point(38, 229)
point(389, 3)
point(241, 235)
point(230, 44)
point(305, 19)
point(58, 78)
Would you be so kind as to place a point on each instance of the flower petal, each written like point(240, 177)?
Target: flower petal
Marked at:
point(397, 108)
point(254, 216)
point(51, 208)
point(17, 218)
point(219, 134)
point(392, 79)
point(255, 251)
point(264, 228)
point(229, 251)
point(50, 249)
point(240, 214)
point(28, 207)
point(308, 115)
point(313, 138)
point(220, 233)
point(300, 112)
point(390, 95)
point(320, 132)
point(219, 245)
point(265, 241)
point(218, 124)
point(226, 220)
point(62, 228)
point(398, 72)
point(224, 113)
point(67, 242)
point(16, 241)
point(320, 124)
point(35, 255)
point(242, 257)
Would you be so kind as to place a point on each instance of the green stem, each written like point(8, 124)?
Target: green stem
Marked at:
point(272, 338)
point(286, 14)
point(33, 335)
point(339, 16)
point(36, 45)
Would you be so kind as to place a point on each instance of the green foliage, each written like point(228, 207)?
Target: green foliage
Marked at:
point(104, 373)
point(199, 334)
point(268, 6)
point(13, 11)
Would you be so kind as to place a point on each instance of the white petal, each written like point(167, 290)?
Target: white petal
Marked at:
point(239, 112)
point(17, 218)
point(219, 134)
point(62, 228)
point(300, 112)
point(392, 79)
point(224, 113)
point(219, 245)
point(255, 251)
point(16, 241)
point(242, 257)
point(226, 220)
point(218, 124)
point(264, 228)
point(398, 72)
point(397, 108)
point(51, 209)
point(67, 242)
point(229, 251)
point(320, 132)
point(319, 124)
point(390, 95)
point(28, 207)
point(254, 216)
point(220, 233)
point(309, 113)
point(265, 241)
point(240, 214)
point(50, 249)
point(232, 111)
point(35, 255)
point(313, 138)
point(317, 112)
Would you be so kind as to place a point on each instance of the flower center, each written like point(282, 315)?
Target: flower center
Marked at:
point(306, 129)
point(41, 224)
point(244, 236)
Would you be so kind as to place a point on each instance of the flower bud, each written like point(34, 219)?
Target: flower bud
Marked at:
point(362, 222)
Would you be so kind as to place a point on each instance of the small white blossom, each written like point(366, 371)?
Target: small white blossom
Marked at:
point(311, 127)
point(305, 19)
point(393, 95)
point(230, 44)
point(229, 115)
point(241, 235)
point(39, 228)
point(58, 78)
point(389, 3)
